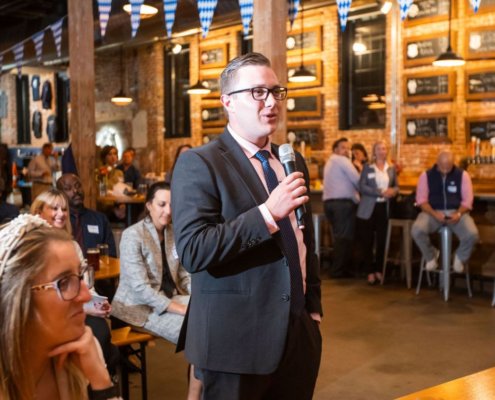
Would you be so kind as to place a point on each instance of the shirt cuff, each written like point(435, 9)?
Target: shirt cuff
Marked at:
point(269, 221)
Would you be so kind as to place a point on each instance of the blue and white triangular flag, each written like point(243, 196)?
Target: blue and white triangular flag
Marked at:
point(475, 4)
point(206, 10)
point(293, 9)
point(404, 6)
point(18, 57)
point(169, 8)
point(343, 9)
point(135, 15)
point(38, 44)
point(247, 9)
point(57, 35)
point(104, 8)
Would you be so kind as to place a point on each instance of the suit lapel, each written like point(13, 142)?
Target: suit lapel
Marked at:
point(155, 246)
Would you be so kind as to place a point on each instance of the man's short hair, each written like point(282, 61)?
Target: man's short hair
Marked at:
point(337, 142)
point(46, 145)
point(229, 74)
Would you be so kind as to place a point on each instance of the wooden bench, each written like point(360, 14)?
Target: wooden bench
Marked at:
point(125, 338)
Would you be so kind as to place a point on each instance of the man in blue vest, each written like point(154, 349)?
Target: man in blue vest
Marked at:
point(445, 195)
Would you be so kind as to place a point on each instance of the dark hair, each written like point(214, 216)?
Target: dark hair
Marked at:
point(360, 147)
point(337, 142)
point(104, 152)
point(130, 150)
point(46, 145)
point(155, 187)
point(230, 72)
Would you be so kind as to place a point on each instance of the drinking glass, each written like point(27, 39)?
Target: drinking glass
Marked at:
point(93, 257)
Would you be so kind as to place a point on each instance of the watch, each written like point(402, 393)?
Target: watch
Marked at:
point(103, 394)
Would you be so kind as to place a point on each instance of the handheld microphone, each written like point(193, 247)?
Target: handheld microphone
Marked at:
point(288, 160)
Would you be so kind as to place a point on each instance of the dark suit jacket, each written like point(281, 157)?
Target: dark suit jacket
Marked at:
point(239, 309)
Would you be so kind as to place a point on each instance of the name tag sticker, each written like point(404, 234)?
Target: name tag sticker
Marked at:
point(174, 252)
point(452, 189)
point(93, 229)
point(371, 175)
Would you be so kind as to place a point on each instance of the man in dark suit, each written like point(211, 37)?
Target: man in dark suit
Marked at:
point(253, 322)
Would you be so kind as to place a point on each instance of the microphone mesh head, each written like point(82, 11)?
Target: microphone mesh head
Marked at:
point(286, 153)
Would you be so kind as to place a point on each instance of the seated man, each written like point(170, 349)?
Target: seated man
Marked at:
point(445, 195)
point(89, 227)
point(131, 173)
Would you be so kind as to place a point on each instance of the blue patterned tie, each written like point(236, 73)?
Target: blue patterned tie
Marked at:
point(288, 239)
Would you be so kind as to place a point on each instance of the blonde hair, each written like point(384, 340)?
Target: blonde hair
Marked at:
point(373, 150)
point(50, 198)
point(22, 259)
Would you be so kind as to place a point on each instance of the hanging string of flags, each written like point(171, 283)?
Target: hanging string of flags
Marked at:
point(343, 7)
point(404, 6)
point(293, 9)
point(475, 4)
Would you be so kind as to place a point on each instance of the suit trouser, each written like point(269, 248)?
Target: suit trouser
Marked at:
point(294, 379)
point(373, 230)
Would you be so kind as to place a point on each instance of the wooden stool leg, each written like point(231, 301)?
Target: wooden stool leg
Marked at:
point(124, 376)
point(385, 256)
point(144, 381)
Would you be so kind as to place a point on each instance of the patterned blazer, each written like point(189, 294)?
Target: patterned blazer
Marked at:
point(141, 272)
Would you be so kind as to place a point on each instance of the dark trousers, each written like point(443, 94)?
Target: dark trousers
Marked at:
point(342, 215)
point(373, 231)
point(294, 379)
point(102, 333)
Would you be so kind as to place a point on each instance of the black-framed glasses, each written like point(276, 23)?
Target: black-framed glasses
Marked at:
point(261, 93)
point(69, 286)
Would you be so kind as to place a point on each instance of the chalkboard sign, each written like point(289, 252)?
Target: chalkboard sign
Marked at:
point(213, 115)
point(480, 43)
point(312, 41)
point(213, 56)
point(427, 128)
point(304, 104)
point(485, 7)
point(424, 50)
point(426, 11)
point(429, 86)
point(311, 135)
point(482, 128)
point(480, 84)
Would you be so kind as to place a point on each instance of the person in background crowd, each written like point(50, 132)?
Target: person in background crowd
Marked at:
point(445, 195)
point(359, 156)
point(154, 288)
point(377, 185)
point(5, 170)
point(181, 149)
point(253, 322)
point(46, 351)
point(340, 199)
point(89, 227)
point(7, 211)
point(109, 157)
point(41, 168)
point(131, 173)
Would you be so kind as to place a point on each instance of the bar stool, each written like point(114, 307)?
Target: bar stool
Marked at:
point(406, 248)
point(446, 250)
point(318, 223)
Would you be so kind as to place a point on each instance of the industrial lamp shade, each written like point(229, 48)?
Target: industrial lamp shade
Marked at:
point(145, 11)
point(302, 75)
point(198, 88)
point(120, 99)
point(449, 59)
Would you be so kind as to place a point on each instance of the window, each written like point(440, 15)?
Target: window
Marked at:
point(362, 90)
point(177, 112)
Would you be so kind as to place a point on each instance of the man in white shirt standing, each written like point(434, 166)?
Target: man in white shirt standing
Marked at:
point(40, 170)
point(340, 198)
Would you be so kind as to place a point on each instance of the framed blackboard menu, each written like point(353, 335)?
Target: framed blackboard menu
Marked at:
point(311, 37)
point(211, 134)
point(485, 6)
point(211, 80)
point(423, 50)
point(480, 84)
point(213, 115)
point(310, 134)
point(480, 127)
point(304, 103)
point(213, 56)
point(480, 43)
point(426, 11)
point(427, 128)
point(429, 86)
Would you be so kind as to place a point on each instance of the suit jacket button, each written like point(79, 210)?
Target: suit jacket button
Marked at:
point(285, 297)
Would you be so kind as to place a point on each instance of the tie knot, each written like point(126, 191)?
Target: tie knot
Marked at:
point(263, 155)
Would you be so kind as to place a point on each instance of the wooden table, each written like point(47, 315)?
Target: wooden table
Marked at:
point(478, 386)
point(108, 271)
point(129, 201)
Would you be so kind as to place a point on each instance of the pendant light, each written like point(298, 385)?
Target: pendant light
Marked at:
point(145, 11)
point(121, 99)
point(302, 74)
point(449, 58)
point(198, 87)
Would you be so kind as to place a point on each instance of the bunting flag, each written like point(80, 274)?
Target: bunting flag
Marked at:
point(169, 7)
point(293, 9)
point(135, 15)
point(475, 4)
point(404, 8)
point(343, 8)
point(57, 35)
point(247, 8)
point(18, 57)
point(38, 44)
point(104, 8)
point(206, 10)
